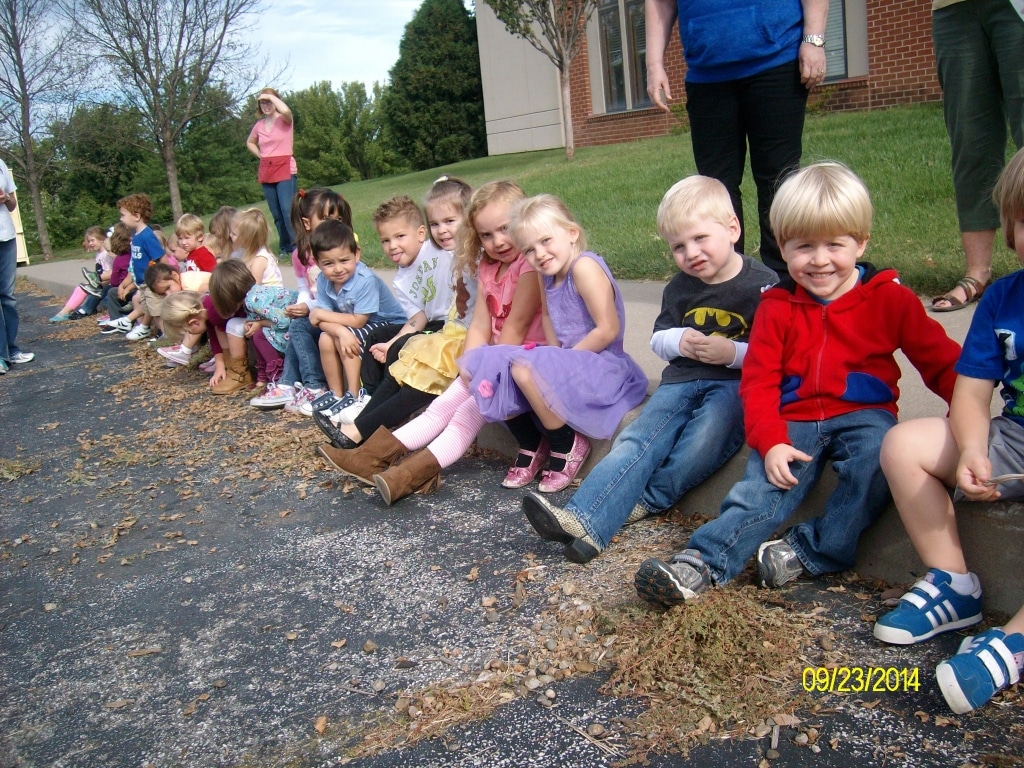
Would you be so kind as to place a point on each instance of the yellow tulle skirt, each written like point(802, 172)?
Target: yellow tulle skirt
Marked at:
point(427, 361)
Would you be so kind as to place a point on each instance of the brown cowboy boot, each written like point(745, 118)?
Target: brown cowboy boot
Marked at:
point(418, 473)
point(378, 452)
point(236, 377)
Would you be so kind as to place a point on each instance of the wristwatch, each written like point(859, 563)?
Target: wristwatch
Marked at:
point(815, 40)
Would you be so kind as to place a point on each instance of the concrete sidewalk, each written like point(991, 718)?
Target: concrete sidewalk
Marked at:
point(884, 552)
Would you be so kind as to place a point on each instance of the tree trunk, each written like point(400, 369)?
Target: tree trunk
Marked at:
point(34, 186)
point(570, 141)
point(171, 167)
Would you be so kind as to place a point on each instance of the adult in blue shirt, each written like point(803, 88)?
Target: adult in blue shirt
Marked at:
point(749, 64)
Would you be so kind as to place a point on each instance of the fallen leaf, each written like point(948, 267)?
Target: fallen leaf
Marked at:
point(119, 703)
point(320, 725)
point(292, 635)
point(474, 574)
point(146, 651)
point(786, 720)
point(284, 513)
point(369, 646)
point(338, 643)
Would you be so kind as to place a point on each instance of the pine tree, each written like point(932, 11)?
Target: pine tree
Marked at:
point(434, 106)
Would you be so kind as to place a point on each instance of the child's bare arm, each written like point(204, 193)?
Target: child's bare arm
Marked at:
point(525, 303)
point(598, 294)
point(320, 315)
point(969, 419)
point(414, 324)
point(258, 267)
point(479, 332)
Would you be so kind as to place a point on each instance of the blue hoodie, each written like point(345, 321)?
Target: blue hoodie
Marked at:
point(731, 39)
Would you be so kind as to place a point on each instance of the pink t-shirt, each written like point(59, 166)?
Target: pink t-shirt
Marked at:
point(275, 140)
point(497, 295)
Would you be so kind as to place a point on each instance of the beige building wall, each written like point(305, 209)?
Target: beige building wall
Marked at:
point(522, 106)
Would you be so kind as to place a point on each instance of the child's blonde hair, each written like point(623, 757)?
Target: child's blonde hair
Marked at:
point(469, 248)
point(94, 232)
point(160, 235)
point(541, 214)
point(1008, 196)
point(822, 200)
point(251, 233)
point(230, 281)
point(692, 199)
point(220, 229)
point(189, 225)
point(179, 308)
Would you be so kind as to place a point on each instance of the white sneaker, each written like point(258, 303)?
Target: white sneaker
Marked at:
point(138, 333)
point(175, 355)
point(22, 357)
point(121, 325)
point(276, 396)
point(349, 414)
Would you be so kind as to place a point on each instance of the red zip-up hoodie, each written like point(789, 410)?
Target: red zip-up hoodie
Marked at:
point(809, 361)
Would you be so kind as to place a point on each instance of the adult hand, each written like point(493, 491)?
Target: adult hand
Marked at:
point(812, 65)
point(657, 84)
point(776, 465)
point(380, 352)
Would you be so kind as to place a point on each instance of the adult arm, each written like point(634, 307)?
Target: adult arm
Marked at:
point(9, 199)
point(282, 109)
point(479, 332)
point(812, 58)
point(661, 15)
point(252, 143)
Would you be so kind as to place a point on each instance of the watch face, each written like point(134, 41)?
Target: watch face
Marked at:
point(817, 40)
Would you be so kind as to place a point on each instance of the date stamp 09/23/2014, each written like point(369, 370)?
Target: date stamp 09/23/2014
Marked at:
point(860, 679)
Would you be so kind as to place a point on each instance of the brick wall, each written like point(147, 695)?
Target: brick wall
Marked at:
point(901, 70)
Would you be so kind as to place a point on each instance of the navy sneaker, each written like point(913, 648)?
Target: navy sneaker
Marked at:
point(682, 578)
point(930, 608)
point(984, 665)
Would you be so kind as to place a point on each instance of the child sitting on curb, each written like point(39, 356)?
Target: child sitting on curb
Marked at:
point(819, 383)
point(693, 423)
point(968, 452)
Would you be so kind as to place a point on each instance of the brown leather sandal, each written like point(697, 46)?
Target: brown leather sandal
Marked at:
point(972, 288)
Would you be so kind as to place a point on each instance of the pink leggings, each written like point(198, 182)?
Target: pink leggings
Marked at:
point(447, 428)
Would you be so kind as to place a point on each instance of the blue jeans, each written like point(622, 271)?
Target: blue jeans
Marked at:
point(765, 111)
point(684, 433)
point(279, 201)
point(302, 355)
point(755, 509)
point(8, 304)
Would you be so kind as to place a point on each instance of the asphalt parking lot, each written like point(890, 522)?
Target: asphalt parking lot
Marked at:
point(183, 582)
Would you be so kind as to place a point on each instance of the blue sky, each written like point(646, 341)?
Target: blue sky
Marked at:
point(339, 42)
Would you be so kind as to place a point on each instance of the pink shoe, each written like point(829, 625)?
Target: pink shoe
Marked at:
point(551, 481)
point(518, 477)
point(209, 366)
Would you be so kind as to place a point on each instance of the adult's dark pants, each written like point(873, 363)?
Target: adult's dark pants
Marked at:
point(765, 112)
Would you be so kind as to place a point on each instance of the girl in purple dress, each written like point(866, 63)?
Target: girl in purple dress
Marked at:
point(583, 382)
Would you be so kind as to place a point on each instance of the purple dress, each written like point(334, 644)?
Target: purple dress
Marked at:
point(590, 391)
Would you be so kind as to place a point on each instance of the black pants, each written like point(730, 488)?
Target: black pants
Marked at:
point(765, 111)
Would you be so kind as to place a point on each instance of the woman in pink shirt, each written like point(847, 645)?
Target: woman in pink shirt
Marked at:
point(271, 141)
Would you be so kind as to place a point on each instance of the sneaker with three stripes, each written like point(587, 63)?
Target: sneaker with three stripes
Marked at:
point(930, 608)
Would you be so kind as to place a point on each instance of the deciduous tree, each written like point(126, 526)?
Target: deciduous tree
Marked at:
point(556, 29)
point(39, 78)
point(164, 54)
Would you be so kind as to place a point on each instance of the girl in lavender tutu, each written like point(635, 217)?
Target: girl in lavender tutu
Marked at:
point(582, 382)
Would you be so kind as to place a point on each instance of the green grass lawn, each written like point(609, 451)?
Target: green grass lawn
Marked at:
point(902, 154)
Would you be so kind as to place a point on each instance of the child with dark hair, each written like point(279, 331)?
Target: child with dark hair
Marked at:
point(265, 324)
point(309, 208)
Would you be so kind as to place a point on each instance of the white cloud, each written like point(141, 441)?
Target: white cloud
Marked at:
point(339, 42)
